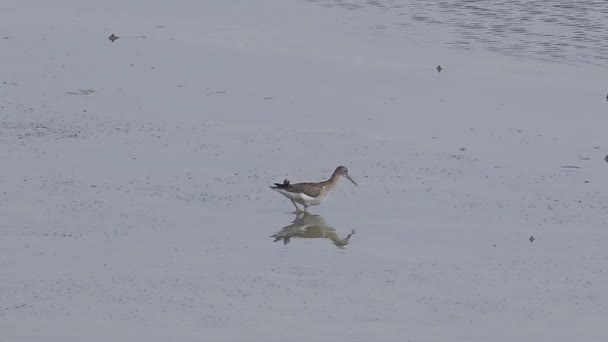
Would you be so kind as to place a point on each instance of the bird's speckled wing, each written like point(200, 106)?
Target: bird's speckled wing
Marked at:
point(309, 189)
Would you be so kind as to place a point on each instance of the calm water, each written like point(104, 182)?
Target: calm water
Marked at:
point(554, 30)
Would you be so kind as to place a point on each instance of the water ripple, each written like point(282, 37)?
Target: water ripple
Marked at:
point(554, 30)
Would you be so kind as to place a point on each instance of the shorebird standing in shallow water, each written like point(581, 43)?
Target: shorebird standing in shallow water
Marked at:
point(308, 194)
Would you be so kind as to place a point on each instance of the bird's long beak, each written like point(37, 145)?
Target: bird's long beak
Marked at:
point(350, 179)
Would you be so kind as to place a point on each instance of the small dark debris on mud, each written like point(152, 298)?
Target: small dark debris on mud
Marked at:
point(532, 238)
point(113, 37)
point(82, 92)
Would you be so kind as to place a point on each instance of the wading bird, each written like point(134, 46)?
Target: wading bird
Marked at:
point(308, 194)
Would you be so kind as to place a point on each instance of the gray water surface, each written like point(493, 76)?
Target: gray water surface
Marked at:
point(554, 30)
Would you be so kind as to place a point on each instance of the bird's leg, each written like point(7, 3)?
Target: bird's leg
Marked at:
point(305, 208)
point(295, 205)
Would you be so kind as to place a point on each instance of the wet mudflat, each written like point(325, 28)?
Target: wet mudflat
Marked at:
point(135, 197)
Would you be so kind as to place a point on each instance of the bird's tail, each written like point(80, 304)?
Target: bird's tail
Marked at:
point(281, 185)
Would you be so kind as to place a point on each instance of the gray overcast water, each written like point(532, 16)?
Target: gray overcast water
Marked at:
point(551, 30)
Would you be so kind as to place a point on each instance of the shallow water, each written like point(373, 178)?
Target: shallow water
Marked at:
point(555, 30)
point(135, 191)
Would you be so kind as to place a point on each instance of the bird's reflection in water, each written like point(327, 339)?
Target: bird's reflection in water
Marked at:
point(310, 226)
